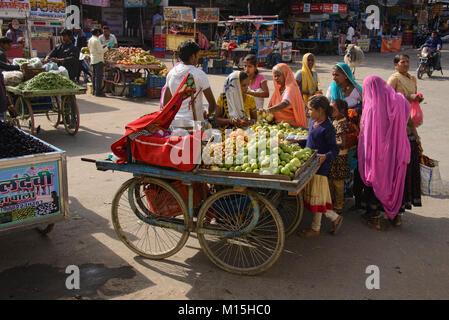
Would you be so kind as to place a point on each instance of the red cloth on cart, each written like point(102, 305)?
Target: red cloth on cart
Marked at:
point(181, 153)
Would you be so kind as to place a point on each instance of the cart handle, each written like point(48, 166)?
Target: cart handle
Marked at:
point(89, 160)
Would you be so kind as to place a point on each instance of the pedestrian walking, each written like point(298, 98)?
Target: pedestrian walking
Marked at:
point(406, 84)
point(97, 50)
point(383, 150)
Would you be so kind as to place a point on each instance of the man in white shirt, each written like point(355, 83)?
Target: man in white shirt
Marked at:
point(189, 55)
point(350, 34)
point(97, 50)
point(108, 39)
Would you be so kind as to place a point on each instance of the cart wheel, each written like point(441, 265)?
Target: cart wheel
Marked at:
point(25, 114)
point(290, 208)
point(45, 230)
point(149, 197)
point(70, 114)
point(248, 254)
point(118, 77)
point(54, 114)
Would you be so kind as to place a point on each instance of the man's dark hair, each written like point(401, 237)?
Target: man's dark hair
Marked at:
point(187, 49)
point(4, 40)
point(106, 27)
point(243, 76)
point(397, 57)
point(66, 32)
point(10, 26)
point(434, 33)
point(96, 31)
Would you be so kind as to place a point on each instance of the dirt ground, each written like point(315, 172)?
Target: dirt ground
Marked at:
point(413, 260)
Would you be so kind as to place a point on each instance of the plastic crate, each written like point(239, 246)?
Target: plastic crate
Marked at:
point(156, 81)
point(137, 90)
point(219, 63)
point(154, 93)
point(228, 70)
point(159, 54)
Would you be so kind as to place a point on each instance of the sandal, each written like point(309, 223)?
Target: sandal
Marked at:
point(397, 221)
point(309, 233)
point(337, 225)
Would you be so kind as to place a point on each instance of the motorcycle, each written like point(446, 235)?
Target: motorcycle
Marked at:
point(425, 63)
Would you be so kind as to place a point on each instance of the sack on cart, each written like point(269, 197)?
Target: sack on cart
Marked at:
point(146, 138)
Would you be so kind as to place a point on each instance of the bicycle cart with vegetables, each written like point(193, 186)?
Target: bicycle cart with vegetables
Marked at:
point(58, 105)
point(240, 228)
point(241, 218)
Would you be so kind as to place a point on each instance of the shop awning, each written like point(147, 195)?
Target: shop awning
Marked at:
point(314, 18)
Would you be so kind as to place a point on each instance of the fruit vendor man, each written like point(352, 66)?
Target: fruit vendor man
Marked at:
point(66, 54)
point(189, 54)
point(108, 39)
point(5, 45)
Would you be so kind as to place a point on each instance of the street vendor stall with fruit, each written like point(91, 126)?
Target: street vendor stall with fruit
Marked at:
point(241, 194)
point(251, 34)
point(128, 67)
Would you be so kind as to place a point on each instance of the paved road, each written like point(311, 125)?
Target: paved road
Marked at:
point(413, 260)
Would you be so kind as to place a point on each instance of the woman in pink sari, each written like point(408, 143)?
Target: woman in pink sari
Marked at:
point(383, 150)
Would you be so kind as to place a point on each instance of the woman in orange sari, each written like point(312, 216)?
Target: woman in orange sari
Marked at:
point(286, 103)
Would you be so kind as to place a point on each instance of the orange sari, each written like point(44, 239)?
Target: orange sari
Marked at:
point(295, 113)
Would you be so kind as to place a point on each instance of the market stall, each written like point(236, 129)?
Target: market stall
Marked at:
point(207, 23)
point(33, 182)
point(47, 19)
point(316, 26)
point(180, 26)
point(127, 70)
point(15, 13)
point(252, 34)
point(245, 214)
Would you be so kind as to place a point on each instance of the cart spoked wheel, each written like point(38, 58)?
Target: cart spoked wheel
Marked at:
point(46, 229)
point(118, 76)
point(14, 120)
point(290, 208)
point(54, 114)
point(70, 114)
point(158, 200)
point(25, 114)
point(247, 254)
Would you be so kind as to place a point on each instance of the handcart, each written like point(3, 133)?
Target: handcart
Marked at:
point(241, 225)
point(34, 191)
point(57, 105)
point(120, 74)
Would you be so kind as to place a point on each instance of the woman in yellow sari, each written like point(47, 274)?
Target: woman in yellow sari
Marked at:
point(307, 78)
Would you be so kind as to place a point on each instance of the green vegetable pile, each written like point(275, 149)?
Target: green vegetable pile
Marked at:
point(47, 81)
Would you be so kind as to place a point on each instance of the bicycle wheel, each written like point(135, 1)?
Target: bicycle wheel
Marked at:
point(70, 115)
point(250, 253)
point(144, 239)
point(25, 114)
point(290, 208)
point(54, 114)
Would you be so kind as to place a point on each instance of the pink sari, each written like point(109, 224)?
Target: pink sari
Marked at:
point(384, 149)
